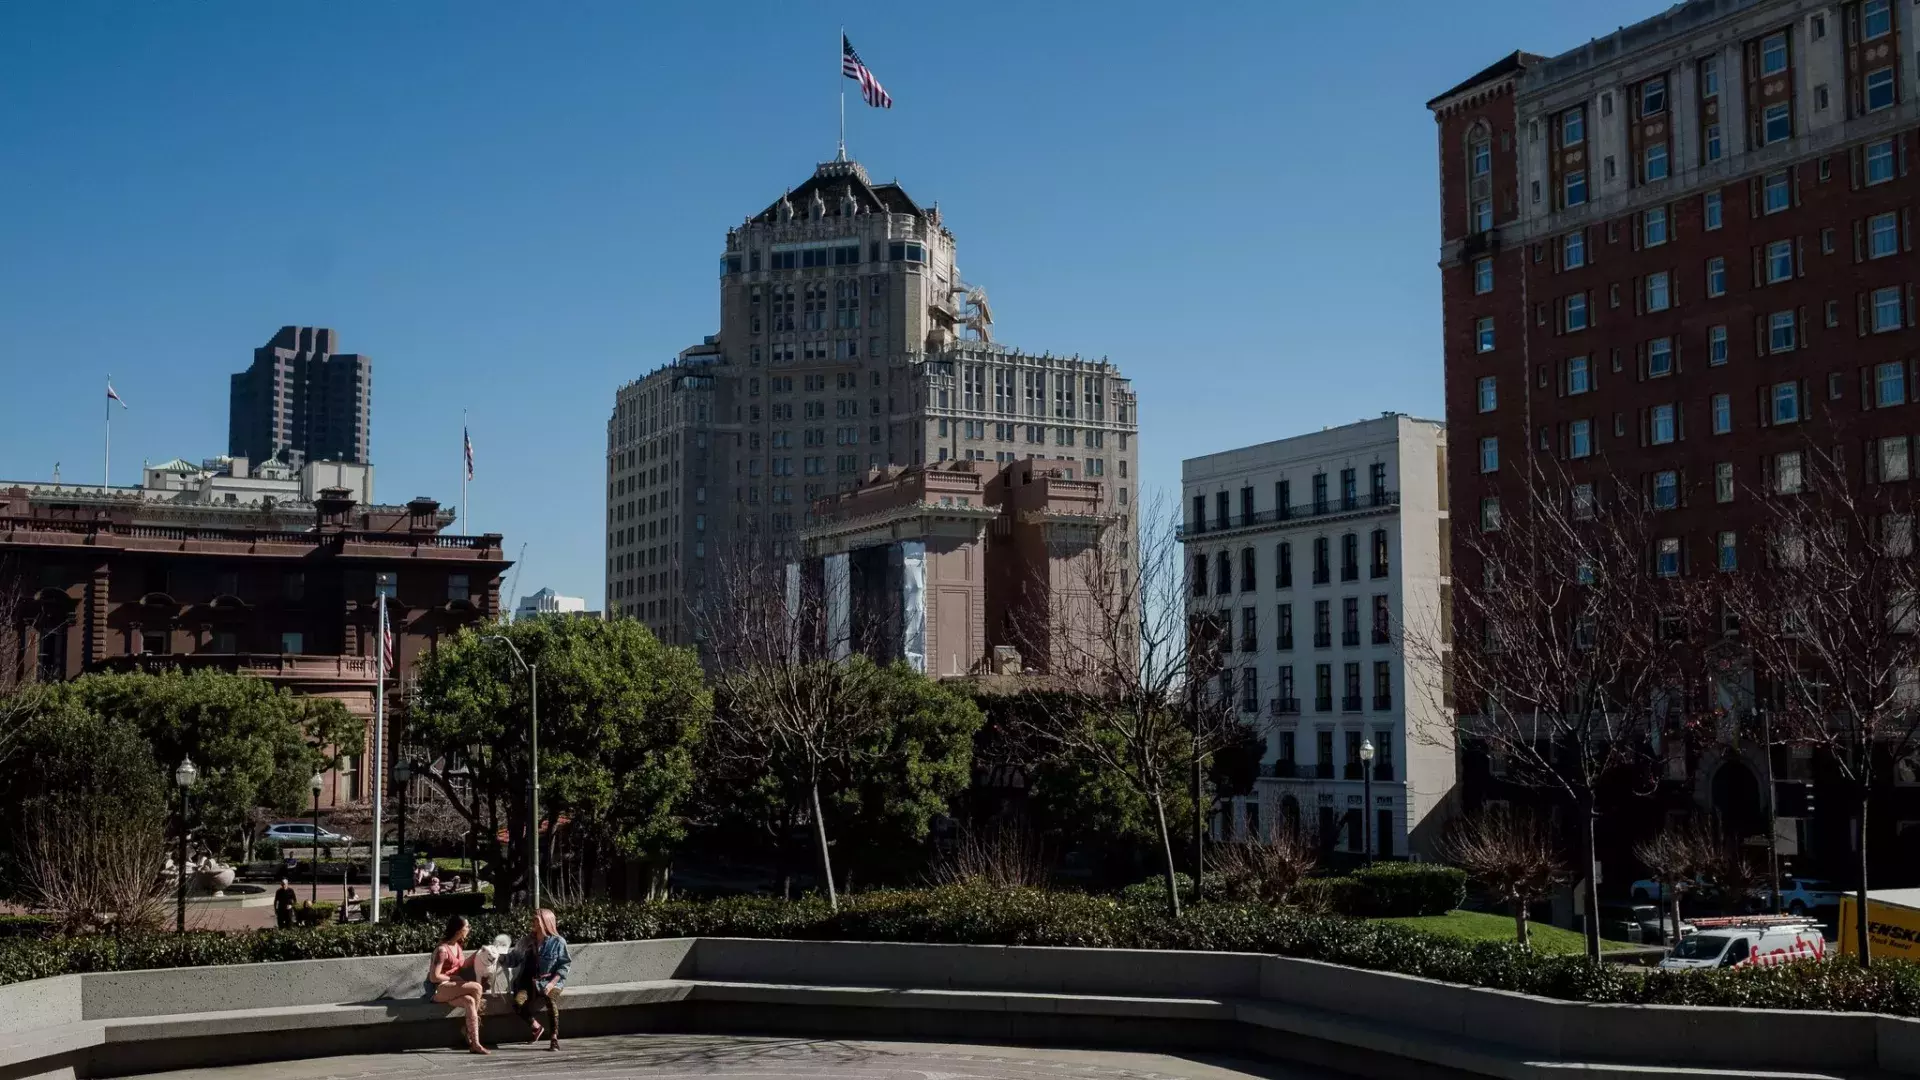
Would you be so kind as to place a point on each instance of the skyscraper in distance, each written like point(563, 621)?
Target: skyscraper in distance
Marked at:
point(302, 399)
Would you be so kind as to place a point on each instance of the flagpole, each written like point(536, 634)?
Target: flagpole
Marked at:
point(379, 755)
point(465, 440)
point(843, 95)
point(106, 468)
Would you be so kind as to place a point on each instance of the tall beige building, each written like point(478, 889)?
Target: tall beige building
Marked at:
point(848, 341)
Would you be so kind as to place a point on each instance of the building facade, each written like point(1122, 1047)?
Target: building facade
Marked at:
point(1312, 555)
point(848, 342)
point(302, 400)
point(548, 602)
point(1677, 257)
point(125, 579)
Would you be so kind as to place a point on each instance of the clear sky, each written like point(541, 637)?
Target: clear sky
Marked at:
point(515, 207)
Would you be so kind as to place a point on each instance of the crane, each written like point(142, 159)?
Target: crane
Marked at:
point(513, 582)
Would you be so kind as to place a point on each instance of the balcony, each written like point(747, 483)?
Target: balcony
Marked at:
point(1321, 575)
point(1382, 702)
point(1377, 497)
point(1285, 642)
point(1284, 581)
point(1323, 704)
point(1323, 770)
point(1286, 706)
point(1378, 570)
point(1349, 638)
point(1381, 636)
point(1350, 572)
point(1372, 503)
point(1248, 644)
point(1353, 771)
point(1350, 703)
point(1323, 640)
point(1383, 770)
point(1290, 770)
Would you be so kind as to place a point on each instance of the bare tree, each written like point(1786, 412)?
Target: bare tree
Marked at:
point(1512, 854)
point(94, 864)
point(793, 697)
point(1267, 869)
point(1567, 648)
point(1003, 855)
point(1679, 857)
point(1143, 696)
point(22, 691)
point(1834, 624)
point(1734, 873)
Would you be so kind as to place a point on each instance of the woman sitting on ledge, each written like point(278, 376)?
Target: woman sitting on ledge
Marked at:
point(449, 980)
point(543, 974)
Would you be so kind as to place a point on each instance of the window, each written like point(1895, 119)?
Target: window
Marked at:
point(1716, 346)
point(1666, 490)
point(1786, 403)
point(1661, 424)
point(1580, 438)
point(1322, 567)
point(1778, 193)
point(1323, 624)
point(1482, 275)
point(1780, 332)
point(1489, 514)
point(1886, 309)
point(1248, 570)
point(293, 587)
point(1722, 413)
point(1880, 89)
point(1653, 223)
point(1883, 235)
point(1654, 163)
point(1490, 454)
point(1577, 376)
point(1717, 276)
point(1709, 76)
point(1489, 397)
point(1659, 358)
point(1786, 472)
point(1889, 384)
point(293, 642)
point(1659, 291)
point(1576, 311)
point(1876, 19)
point(1893, 458)
point(1573, 126)
point(1880, 161)
point(1483, 334)
point(1776, 124)
point(1583, 502)
point(1773, 54)
point(1779, 261)
point(1716, 148)
point(459, 591)
point(1573, 250)
point(1482, 156)
point(1668, 557)
point(1482, 215)
point(1653, 97)
point(1723, 482)
point(1820, 98)
point(1729, 552)
point(1380, 560)
point(1284, 575)
point(1896, 530)
point(1576, 188)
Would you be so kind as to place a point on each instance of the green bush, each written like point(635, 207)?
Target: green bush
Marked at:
point(31, 926)
point(1397, 890)
point(986, 916)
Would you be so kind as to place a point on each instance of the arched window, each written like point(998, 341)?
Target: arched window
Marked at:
point(1379, 553)
point(1479, 178)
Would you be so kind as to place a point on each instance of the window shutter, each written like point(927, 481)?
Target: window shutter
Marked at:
point(1673, 292)
point(1909, 303)
point(1759, 335)
point(1859, 241)
point(1902, 144)
point(1870, 462)
point(1677, 369)
point(1759, 267)
point(1766, 414)
point(1639, 226)
point(1639, 296)
point(1592, 245)
point(1799, 256)
point(1643, 427)
point(1906, 228)
point(1682, 481)
point(1860, 314)
point(1866, 388)
point(1853, 167)
point(1793, 181)
point(1640, 361)
point(1753, 195)
point(1679, 423)
point(1802, 328)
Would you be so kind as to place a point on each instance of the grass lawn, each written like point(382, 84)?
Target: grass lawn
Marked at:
point(1483, 926)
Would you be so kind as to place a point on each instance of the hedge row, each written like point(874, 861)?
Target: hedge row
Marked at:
point(970, 915)
point(1381, 891)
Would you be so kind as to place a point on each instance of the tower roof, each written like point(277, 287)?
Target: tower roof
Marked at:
point(834, 178)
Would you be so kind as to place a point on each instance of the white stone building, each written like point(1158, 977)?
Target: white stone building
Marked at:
point(1317, 552)
point(548, 602)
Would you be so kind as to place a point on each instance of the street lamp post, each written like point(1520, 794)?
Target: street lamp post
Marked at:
point(314, 896)
point(1366, 799)
point(183, 778)
point(533, 761)
point(403, 862)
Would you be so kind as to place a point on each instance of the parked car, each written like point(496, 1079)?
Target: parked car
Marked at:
point(296, 833)
point(1638, 923)
point(1801, 895)
point(1744, 941)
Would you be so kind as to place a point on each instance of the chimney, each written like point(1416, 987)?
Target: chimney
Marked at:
point(331, 508)
point(423, 515)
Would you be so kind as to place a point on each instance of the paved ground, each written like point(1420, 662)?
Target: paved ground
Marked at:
point(670, 1057)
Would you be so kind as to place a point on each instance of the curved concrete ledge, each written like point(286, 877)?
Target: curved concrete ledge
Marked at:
point(1361, 1022)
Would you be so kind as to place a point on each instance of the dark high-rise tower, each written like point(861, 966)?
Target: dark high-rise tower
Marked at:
point(303, 398)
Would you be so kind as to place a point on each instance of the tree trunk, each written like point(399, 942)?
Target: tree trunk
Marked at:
point(1864, 944)
point(1166, 849)
point(1673, 906)
point(826, 860)
point(1520, 923)
point(1592, 885)
point(1199, 831)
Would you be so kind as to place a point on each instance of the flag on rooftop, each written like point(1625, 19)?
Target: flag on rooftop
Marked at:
point(870, 89)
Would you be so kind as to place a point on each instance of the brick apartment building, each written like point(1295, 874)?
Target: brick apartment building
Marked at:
point(1679, 255)
point(237, 573)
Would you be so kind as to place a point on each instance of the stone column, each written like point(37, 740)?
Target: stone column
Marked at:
point(96, 616)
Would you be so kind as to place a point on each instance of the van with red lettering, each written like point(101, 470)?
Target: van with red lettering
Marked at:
point(1745, 941)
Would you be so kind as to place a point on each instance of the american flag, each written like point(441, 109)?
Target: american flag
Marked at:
point(870, 88)
point(386, 639)
point(466, 443)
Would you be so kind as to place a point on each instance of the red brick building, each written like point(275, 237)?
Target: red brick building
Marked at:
point(114, 579)
point(1679, 255)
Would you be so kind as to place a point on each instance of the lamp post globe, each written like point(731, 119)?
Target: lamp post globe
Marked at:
point(1366, 798)
point(183, 777)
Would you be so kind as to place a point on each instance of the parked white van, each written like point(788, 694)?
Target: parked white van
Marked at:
point(1740, 941)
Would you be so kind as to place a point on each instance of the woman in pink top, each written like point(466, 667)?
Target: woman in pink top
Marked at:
point(449, 980)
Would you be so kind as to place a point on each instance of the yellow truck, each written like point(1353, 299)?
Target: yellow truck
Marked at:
point(1893, 924)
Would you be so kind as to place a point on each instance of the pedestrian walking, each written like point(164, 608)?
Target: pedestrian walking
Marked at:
point(450, 979)
point(283, 900)
point(542, 976)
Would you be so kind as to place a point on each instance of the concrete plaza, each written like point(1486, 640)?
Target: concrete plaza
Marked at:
point(666, 1057)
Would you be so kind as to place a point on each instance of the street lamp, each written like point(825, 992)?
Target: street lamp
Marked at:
point(403, 863)
point(183, 778)
point(533, 757)
point(315, 783)
point(1366, 799)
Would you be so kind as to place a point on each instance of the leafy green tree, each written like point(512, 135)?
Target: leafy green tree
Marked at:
point(620, 717)
point(917, 760)
point(256, 745)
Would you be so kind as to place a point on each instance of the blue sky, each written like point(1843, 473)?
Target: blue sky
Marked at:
point(513, 208)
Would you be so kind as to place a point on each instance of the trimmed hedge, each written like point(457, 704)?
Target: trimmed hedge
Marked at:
point(1381, 891)
point(978, 915)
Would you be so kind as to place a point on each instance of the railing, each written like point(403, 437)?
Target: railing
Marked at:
point(1349, 638)
point(1321, 575)
point(1290, 770)
point(1381, 636)
point(1323, 704)
point(1350, 572)
point(1353, 771)
point(1248, 644)
point(1379, 570)
point(1323, 770)
point(1283, 580)
point(1285, 641)
point(1286, 706)
point(1318, 508)
point(265, 665)
point(1323, 641)
point(1383, 770)
point(236, 535)
point(1382, 702)
point(1350, 703)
